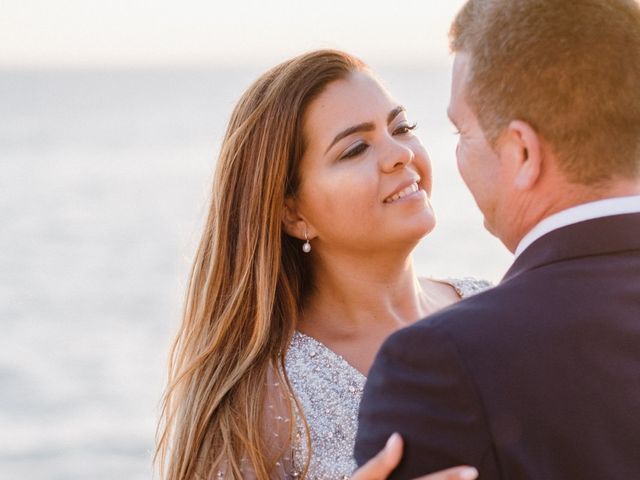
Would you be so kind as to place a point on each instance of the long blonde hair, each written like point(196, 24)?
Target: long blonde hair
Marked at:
point(248, 282)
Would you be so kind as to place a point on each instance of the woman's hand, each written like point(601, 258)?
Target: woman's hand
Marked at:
point(381, 466)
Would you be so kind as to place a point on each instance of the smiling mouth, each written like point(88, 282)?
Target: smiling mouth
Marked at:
point(413, 188)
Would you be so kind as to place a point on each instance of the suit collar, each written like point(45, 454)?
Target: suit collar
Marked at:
point(616, 233)
point(604, 207)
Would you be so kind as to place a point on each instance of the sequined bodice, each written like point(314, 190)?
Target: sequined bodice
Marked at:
point(329, 391)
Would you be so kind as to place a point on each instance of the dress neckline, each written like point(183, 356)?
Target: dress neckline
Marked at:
point(331, 354)
point(457, 284)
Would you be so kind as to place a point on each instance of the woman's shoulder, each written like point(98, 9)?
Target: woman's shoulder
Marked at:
point(465, 286)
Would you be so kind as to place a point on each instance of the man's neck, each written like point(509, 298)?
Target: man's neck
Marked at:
point(572, 197)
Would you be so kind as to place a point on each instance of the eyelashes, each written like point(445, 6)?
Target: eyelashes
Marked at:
point(355, 151)
point(362, 147)
point(405, 129)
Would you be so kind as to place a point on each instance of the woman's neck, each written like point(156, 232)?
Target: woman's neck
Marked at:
point(356, 293)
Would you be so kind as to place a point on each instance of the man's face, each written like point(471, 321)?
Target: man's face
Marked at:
point(478, 163)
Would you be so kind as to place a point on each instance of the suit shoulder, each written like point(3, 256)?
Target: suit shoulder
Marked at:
point(480, 317)
point(481, 304)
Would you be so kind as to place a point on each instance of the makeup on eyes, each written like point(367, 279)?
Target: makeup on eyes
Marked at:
point(361, 147)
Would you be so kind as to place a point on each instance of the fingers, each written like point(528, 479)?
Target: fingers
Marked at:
point(458, 473)
point(381, 466)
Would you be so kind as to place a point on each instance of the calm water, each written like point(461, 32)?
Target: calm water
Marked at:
point(102, 193)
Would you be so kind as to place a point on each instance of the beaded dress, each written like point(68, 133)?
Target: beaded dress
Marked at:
point(329, 391)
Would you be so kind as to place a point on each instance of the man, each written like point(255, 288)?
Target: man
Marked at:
point(539, 377)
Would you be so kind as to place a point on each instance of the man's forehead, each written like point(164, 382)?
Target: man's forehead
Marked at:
point(460, 69)
point(458, 83)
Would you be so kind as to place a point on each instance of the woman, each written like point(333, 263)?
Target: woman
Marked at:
point(320, 195)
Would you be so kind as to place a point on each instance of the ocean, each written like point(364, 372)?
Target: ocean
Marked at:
point(104, 183)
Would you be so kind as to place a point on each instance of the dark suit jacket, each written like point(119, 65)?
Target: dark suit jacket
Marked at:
point(537, 378)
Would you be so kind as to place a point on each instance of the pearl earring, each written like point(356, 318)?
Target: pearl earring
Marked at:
point(306, 246)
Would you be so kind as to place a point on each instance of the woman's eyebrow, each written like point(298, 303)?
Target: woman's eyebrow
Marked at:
point(394, 113)
point(364, 127)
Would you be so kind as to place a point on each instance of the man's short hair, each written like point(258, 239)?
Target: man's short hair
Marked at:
point(570, 68)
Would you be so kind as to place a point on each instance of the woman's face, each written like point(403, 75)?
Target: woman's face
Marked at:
point(365, 177)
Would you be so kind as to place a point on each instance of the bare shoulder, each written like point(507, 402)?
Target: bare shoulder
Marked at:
point(441, 292)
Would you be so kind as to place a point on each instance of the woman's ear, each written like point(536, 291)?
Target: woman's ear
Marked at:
point(524, 148)
point(293, 223)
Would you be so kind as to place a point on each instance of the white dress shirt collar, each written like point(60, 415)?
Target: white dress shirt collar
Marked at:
point(580, 213)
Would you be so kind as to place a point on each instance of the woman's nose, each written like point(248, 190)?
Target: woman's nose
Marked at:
point(396, 156)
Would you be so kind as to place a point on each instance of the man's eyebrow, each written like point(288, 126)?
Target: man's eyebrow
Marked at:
point(364, 127)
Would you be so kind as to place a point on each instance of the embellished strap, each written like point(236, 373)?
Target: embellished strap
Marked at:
point(467, 286)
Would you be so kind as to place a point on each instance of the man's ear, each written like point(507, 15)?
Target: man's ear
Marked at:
point(293, 223)
point(522, 147)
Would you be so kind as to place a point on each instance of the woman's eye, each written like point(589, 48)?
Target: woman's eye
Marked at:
point(403, 129)
point(355, 151)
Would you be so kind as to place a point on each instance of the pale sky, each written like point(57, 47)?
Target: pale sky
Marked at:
point(107, 33)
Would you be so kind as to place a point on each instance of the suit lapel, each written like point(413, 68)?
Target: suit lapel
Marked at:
point(606, 235)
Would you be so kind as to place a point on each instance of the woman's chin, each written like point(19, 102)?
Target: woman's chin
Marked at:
point(425, 223)
point(419, 229)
